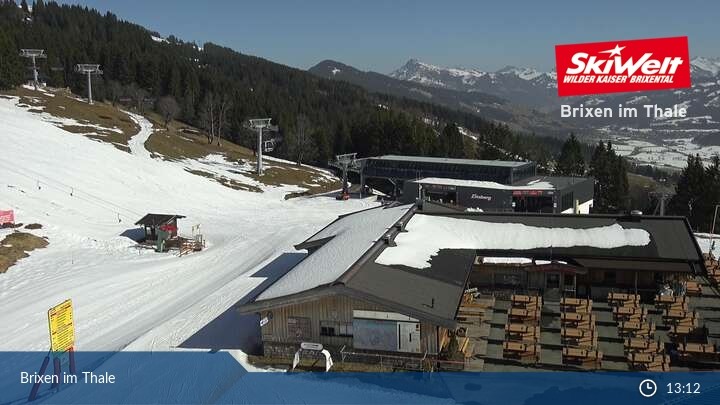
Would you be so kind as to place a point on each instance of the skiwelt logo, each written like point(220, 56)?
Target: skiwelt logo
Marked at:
point(621, 66)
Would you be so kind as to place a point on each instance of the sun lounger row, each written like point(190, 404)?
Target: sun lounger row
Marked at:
point(642, 345)
point(530, 302)
point(522, 331)
point(699, 351)
point(582, 338)
point(521, 351)
point(578, 334)
point(576, 305)
point(713, 269)
point(575, 320)
point(521, 315)
point(582, 357)
point(629, 313)
point(667, 301)
point(623, 299)
point(693, 288)
point(714, 275)
point(636, 329)
point(649, 361)
point(675, 316)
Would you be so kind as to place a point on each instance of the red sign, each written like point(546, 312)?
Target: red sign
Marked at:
point(7, 217)
point(168, 228)
point(533, 193)
point(622, 66)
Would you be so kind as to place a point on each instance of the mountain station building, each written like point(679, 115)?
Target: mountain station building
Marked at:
point(395, 282)
point(486, 185)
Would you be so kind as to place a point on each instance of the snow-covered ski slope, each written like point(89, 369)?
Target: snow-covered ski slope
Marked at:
point(86, 194)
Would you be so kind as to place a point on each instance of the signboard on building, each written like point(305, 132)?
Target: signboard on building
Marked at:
point(7, 217)
point(532, 193)
point(62, 328)
point(311, 346)
point(170, 228)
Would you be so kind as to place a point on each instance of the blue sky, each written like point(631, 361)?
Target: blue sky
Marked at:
point(383, 35)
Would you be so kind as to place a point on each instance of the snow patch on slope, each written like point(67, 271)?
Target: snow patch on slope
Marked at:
point(87, 195)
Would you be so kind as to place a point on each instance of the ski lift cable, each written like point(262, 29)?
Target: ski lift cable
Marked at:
point(68, 189)
point(102, 203)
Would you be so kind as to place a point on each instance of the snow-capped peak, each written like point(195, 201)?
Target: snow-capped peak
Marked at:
point(523, 73)
point(711, 65)
point(425, 73)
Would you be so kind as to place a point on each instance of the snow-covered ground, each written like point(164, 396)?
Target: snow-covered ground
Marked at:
point(670, 153)
point(86, 194)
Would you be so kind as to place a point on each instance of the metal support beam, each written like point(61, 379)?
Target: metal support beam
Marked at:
point(89, 76)
point(89, 69)
point(34, 54)
point(259, 124)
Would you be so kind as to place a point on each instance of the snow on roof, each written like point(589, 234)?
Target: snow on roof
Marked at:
point(427, 234)
point(532, 185)
point(506, 260)
point(352, 236)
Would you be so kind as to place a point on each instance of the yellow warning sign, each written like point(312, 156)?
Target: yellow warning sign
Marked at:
point(62, 327)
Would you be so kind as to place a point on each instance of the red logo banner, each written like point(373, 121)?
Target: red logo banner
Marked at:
point(622, 66)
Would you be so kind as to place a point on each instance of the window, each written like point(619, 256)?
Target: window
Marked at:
point(568, 201)
point(299, 328)
point(333, 328)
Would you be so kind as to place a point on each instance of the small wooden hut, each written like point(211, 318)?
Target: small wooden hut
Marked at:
point(154, 223)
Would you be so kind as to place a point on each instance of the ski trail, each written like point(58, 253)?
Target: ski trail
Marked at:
point(137, 142)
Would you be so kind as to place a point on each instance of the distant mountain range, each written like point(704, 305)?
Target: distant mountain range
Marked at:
point(527, 98)
point(518, 85)
point(519, 116)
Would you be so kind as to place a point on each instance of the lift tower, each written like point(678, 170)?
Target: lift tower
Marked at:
point(34, 54)
point(89, 69)
point(259, 124)
point(345, 162)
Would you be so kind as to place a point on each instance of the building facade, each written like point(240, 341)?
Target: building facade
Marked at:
point(535, 194)
point(369, 284)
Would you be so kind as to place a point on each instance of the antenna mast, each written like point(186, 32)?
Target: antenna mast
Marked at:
point(34, 54)
point(259, 124)
point(89, 69)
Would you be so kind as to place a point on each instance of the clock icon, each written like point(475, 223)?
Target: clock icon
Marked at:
point(647, 388)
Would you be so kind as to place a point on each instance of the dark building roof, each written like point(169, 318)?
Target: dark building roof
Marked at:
point(433, 294)
point(534, 183)
point(429, 294)
point(474, 162)
point(558, 182)
point(672, 246)
point(158, 219)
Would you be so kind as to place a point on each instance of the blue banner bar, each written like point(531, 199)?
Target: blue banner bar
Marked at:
point(218, 378)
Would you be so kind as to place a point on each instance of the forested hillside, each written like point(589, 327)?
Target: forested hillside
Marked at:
point(219, 89)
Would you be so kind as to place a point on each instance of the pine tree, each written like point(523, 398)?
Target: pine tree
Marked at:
point(345, 117)
point(611, 182)
point(689, 191)
point(599, 171)
point(571, 161)
point(454, 140)
point(11, 71)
